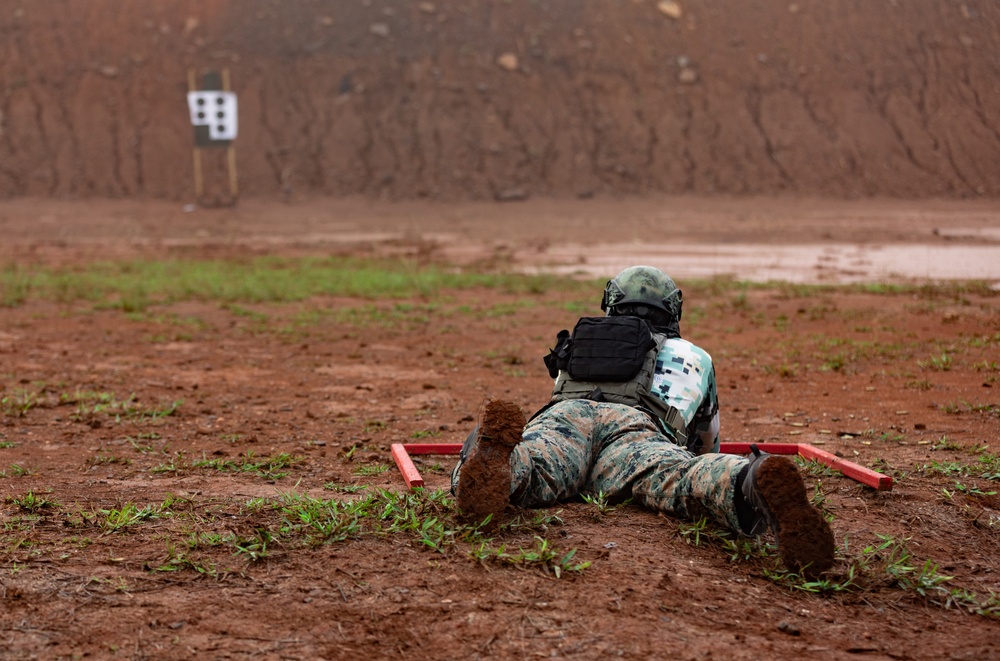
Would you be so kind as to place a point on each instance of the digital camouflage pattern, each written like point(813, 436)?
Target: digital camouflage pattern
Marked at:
point(584, 447)
point(643, 284)
point(684, 377)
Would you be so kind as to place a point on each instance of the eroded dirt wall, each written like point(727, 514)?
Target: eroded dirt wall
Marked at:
point(479, 99)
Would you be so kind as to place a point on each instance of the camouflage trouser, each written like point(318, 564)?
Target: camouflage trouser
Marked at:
point(580, 446)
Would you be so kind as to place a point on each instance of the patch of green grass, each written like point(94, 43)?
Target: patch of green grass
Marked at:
point(602, 506)
point(370, 470)
point(838, 354)
point(975, 491)
point(882, 466)
point(18, 403)
point(815, 468)
point(945, 468)
point(823, 585)
point(986, 466)
point(253, 547)
point(135, 286)
point(182, 561)
point(267, 467)
point(319, 521)
point(692, 531)
point(344, 488)
point(918, 384)
point(91, 406)
point(15, 285)
point(738, 547)
point(884, 564)
point(944, 443)
point(988, 606)
point(835, 363)
point(535, 520)
point(16, 471)
point(961, 407)
point(375, 426)
point(175, 464)
point(32, 502)
point(425, 519)
point(139, 442)
point(429, 518)
point(7, 444)
point(940, 363)
point(128, 514)
point(740, 301)
point(745, 549)
point(986, 341)
point(820, 501)
point(101, 459)
point(541, 555)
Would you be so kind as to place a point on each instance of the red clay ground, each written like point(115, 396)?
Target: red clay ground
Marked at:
point(903, 382)
point(489, 99)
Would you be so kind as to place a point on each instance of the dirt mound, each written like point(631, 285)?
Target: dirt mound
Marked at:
point(485, 99)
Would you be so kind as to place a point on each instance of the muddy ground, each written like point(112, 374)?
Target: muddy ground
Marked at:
point(156, 458)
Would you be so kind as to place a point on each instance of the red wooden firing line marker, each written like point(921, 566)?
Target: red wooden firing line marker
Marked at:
point(401, 455)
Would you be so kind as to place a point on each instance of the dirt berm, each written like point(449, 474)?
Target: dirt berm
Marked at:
point(481, 99)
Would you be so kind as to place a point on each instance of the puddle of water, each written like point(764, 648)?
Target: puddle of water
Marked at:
point(807, 263)
point(986, 233)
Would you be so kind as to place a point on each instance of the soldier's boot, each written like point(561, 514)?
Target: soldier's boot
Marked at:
point(483, 488)
point(775, 490)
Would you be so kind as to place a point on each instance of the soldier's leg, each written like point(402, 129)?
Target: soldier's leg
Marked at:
point(636, 460)
point(553, 459)
point(748, 496)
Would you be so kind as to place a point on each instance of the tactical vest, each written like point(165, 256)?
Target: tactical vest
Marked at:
point(612, 359)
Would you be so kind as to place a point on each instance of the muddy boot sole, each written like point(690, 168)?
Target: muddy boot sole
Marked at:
point(805, 539)
point(484, 482)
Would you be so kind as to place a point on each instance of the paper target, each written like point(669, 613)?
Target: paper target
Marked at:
point(216, 110)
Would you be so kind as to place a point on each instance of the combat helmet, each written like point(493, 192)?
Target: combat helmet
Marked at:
point(640, 286)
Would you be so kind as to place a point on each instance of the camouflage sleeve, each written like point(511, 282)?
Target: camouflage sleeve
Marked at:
point(703, 432)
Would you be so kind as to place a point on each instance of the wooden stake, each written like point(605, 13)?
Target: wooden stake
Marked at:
point(234, 190)
point(233, 186)
point(199, 186)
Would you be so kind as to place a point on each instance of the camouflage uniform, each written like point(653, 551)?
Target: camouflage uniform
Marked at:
point(685, 379)
point(581, 446)
point(592, 445)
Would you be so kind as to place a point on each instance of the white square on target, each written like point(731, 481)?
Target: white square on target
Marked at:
point(216, 110)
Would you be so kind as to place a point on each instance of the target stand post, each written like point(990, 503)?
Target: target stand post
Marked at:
point(213, 110)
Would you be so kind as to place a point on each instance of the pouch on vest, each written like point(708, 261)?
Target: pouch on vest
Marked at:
point(609, 348)
point(615, 356)
point(558, 358)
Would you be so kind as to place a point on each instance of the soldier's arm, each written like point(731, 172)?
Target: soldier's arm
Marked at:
point(703, 432)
